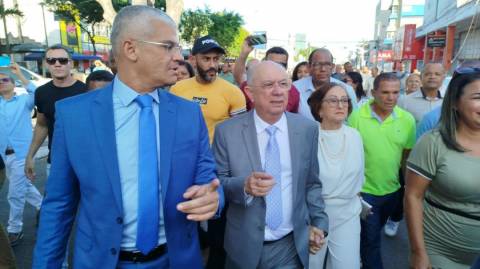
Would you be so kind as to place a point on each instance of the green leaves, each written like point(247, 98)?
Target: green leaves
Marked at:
point(223, 26)
point(9, 12)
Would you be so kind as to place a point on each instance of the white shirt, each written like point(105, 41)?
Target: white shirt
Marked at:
point(341, 162)
point(305, 88)
point(286, 163)
point(419, 104)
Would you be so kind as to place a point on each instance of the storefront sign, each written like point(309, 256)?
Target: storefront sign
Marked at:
point(436, 41)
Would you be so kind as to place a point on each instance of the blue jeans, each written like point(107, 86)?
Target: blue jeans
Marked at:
point(370, 236)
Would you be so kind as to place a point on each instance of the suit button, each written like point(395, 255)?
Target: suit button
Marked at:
point(113, 251)
point(260, 227)
point(119, 220)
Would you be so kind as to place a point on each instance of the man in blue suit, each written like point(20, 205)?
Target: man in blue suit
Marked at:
point(132, 161)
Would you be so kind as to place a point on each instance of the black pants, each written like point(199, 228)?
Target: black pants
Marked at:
point(216, 234)
point(397, 214)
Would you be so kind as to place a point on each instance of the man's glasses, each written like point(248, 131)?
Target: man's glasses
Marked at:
point(170, 47)
point(61, 60)
point(5, 80)
point(333, 102)
point(318, 65)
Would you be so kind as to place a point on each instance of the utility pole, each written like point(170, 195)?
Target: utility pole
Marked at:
point(19, 22)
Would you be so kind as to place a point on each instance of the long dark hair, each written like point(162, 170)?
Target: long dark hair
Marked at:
point(295, 70)
point(357, 79)
point(449, 117)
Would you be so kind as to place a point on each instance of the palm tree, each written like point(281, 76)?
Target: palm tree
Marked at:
point(4, 13)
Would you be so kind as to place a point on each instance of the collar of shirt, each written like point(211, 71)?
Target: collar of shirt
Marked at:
point(374, 115)
point(306, 84)
point(127, 95)
point(261, 125)
point(422, 94)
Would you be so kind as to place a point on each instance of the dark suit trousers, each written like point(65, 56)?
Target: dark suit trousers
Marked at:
point(216, 235)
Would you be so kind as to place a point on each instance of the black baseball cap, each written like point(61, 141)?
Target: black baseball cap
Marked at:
point(205, 44)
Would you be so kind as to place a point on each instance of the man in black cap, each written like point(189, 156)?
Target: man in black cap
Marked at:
point(219, 100)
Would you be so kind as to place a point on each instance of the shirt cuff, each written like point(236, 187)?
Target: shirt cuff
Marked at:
point(248, 198)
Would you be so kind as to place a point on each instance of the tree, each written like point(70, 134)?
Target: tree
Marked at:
point(194, 24)
point(84, 13)
point(226, 26)
point(223, 26)
point(4, 13)
point(236, 46)
point(303, 54)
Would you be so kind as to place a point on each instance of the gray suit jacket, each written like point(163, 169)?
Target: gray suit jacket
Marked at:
point(235, 147)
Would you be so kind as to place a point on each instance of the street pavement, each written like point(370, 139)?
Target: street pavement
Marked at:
point(395, 250)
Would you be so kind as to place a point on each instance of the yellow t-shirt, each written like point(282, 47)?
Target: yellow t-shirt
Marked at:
point(218, 100)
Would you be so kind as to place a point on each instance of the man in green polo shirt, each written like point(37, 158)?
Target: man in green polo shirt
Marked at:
point(388, 134)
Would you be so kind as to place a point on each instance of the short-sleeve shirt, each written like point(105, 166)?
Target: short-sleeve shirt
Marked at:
point(455, 184)
point(47, 95)
point(383, 144)
point(218, 100)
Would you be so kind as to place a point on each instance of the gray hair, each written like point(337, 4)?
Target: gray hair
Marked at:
point(135, 20)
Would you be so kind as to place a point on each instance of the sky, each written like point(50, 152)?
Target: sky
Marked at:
point(335, 24)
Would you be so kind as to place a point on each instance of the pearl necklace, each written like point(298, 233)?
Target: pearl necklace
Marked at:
point(327, 152)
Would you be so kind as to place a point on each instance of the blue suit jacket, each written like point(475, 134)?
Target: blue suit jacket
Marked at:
point(84, 178)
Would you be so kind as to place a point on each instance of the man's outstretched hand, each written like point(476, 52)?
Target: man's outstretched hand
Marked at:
point(203, 201)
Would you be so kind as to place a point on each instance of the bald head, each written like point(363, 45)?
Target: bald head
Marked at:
point(261, 70)
point(134, 22)
point(268, 86)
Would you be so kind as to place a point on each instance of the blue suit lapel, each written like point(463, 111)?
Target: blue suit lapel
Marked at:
point(167, 117)
point(104, 128)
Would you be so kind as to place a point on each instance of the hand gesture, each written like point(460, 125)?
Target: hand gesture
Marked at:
point(30, 168)
point(203, 201)
point(246, 48)
point(317, 239)
point(259, 184)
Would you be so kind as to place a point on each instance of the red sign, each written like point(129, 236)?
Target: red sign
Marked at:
point(408, 42)
point(385, 55)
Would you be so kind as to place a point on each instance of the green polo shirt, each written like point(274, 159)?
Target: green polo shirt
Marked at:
point(383, 144)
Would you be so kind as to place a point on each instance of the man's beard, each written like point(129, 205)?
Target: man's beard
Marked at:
point(203, 74)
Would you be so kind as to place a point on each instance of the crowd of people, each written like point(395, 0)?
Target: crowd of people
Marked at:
point(171, 162)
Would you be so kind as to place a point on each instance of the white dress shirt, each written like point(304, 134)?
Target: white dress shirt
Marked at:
point(286, 163)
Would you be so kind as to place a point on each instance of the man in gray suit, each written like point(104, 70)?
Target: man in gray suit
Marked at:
point(267, 163)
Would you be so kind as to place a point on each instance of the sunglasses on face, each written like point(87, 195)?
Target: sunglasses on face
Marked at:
point(52, 61)
point(4, 80)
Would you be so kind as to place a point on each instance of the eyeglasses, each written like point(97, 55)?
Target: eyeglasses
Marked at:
point(5, 80)
point(170, 47)
point(319, 65)
point(269, 85)
point(335, 102)
point(61, 60)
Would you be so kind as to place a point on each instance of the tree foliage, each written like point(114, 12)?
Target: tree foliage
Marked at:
point(236, 46)
point(223, 26)
point(84, 13)
point(7, 12)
